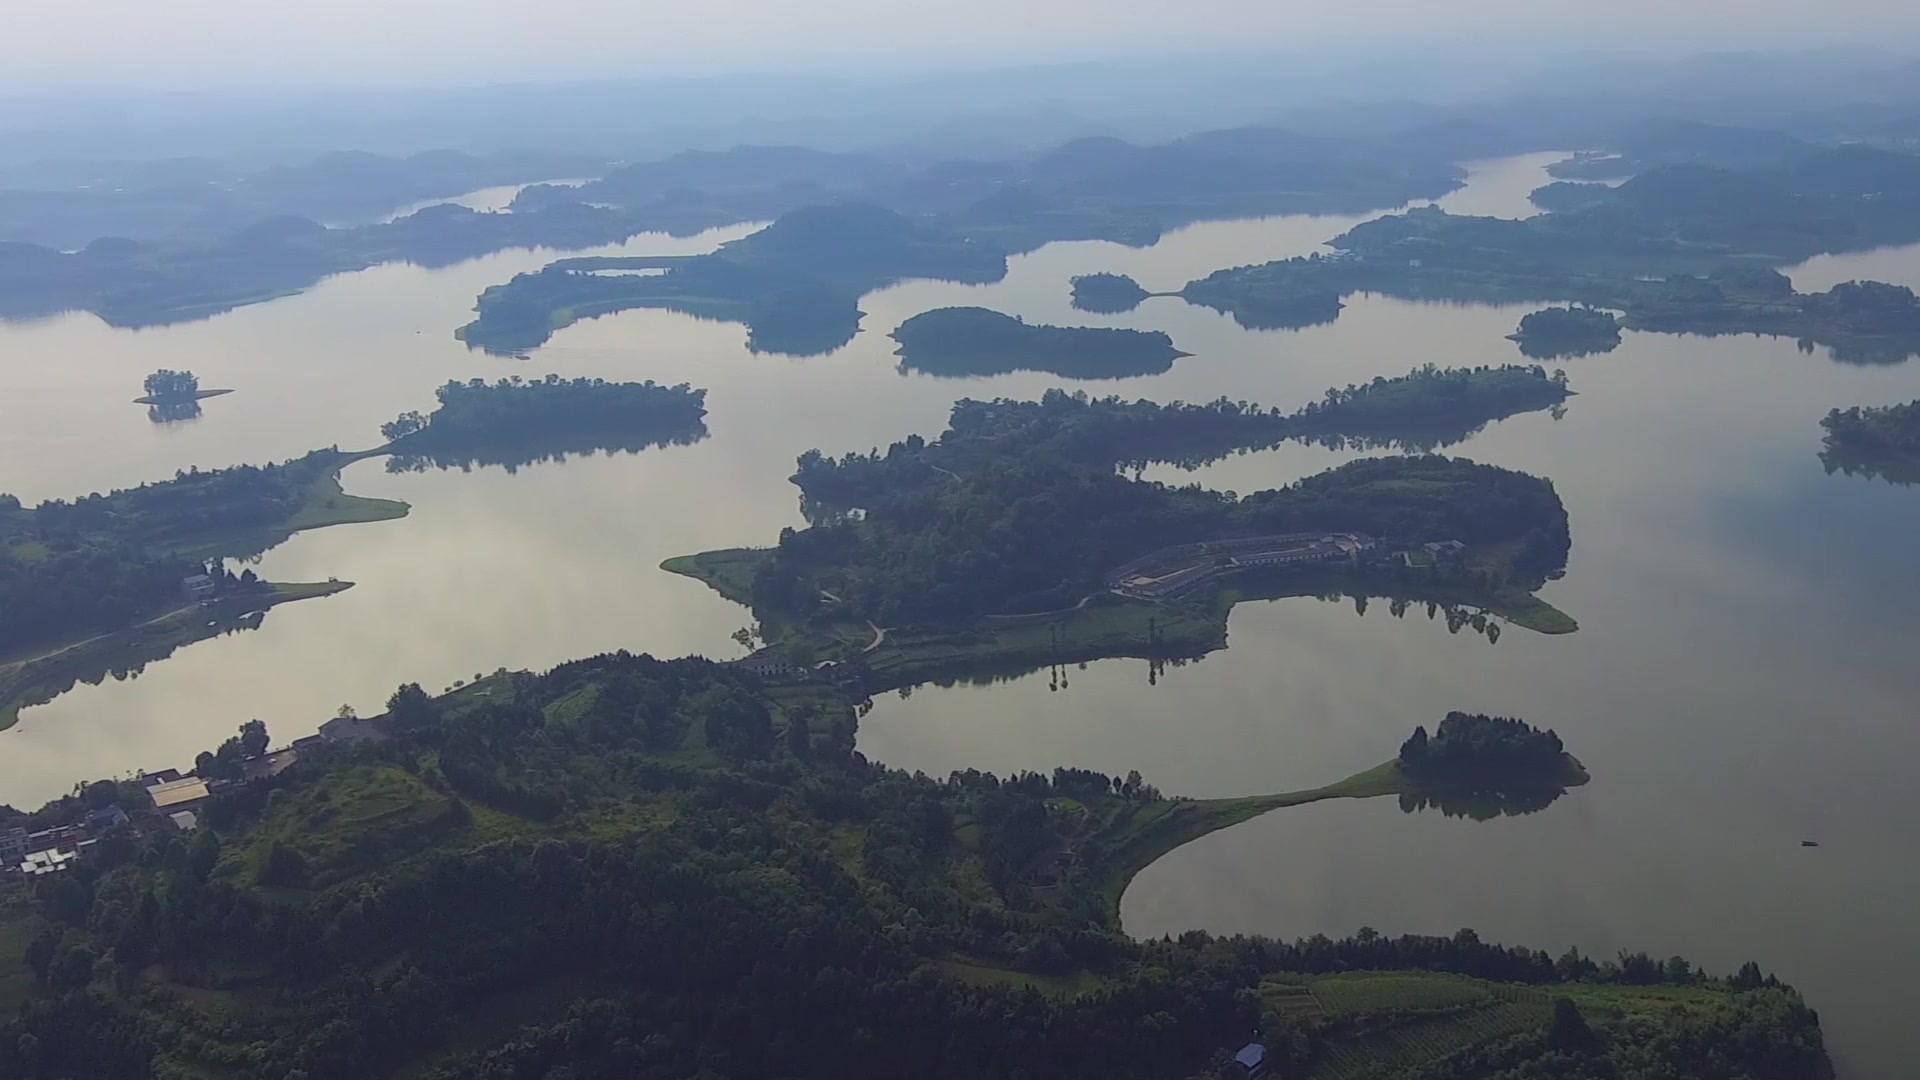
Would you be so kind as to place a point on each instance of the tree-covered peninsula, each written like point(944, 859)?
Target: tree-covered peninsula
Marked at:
point(962, 341)
point(1014, 539)
point(1679, 249)
point(515, 421)
point(1556, 332)
point(108, 582)
point(631, 868)
point(1882, 442)
point(111, 582)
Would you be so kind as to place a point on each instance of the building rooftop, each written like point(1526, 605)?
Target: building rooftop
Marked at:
point(178, 792)
point(185, 820)
point(47, 862)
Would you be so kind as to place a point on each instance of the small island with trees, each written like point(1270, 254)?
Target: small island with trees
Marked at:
point(1567, 332)
point(167, 387)
point(515, 421)
point(1877, 442)
point(1107, 294)
point(1471, 753)
point(960, 341)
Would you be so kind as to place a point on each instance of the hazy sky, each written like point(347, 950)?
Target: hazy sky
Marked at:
point(201, 42)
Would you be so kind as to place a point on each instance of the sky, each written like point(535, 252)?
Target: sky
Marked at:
point(205, 43)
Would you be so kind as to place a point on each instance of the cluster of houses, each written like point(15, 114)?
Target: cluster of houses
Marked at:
point(174, 801)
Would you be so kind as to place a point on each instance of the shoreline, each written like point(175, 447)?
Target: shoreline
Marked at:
point(172, 399)
point(1191, 819)
point(39, 680)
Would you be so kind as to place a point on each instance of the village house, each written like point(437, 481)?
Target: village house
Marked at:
point(184, 794)
point(198, 587)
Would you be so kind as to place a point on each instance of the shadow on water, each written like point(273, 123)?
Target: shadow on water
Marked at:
point(553, 448)
point(1482, 805)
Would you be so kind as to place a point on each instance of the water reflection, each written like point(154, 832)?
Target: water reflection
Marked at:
point(1534, 349)
point(1904, 473)
point(174, 412)
point(551, 448)
point(1482, 805)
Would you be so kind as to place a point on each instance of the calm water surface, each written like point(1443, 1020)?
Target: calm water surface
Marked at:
point(1742, 680)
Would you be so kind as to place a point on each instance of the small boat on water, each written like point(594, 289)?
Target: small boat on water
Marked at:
point(1809, 843)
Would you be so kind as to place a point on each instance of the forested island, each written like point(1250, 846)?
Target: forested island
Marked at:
point(110, 582)
point(1678, 249)
point(960, 341)
point(1106, 293)
point(1882, 442)
point(626, 867)
point(1005, 540)
point(1556, 332)
point(514, 422)
point(796, 284)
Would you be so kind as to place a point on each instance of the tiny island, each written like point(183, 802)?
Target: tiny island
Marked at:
point(174, 395)
point(966, 341)
point(1874, 442)
point(1107, 294)
point(1565, 332)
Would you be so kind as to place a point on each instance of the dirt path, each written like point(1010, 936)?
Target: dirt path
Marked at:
point(879, 638)
point(14, 665)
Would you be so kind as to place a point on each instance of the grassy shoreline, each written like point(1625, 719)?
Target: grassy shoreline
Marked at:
point(1156, 830)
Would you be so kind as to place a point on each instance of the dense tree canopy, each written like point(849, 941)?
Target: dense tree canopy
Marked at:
point(576, 875)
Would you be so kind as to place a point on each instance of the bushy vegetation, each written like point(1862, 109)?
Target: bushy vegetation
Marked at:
point(1875, 441)
point(1470, 751)
point(167, 385)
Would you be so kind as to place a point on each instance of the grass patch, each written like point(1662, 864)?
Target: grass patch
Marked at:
point(1388, 1052)
point(728, 572)
point(1378, 992)
point(979, 973)
point(352, 821)
point(1151, 830)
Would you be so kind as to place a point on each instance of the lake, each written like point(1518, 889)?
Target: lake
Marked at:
point(1742, 680)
